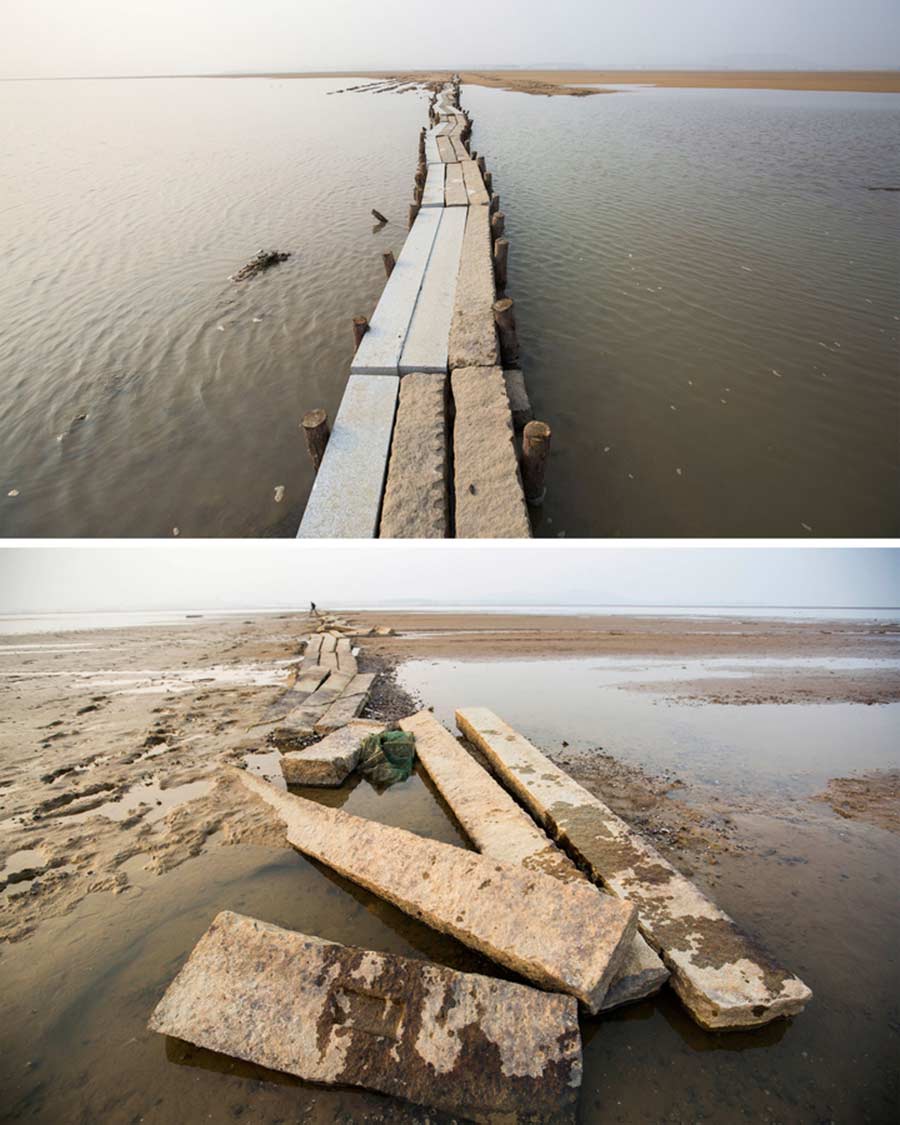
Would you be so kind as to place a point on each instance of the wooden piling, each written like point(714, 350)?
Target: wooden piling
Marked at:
point(501, 259)
point(482, 167)
point(505, 320)
point(535, 451)
point(388, 258)
point(495, 203)
point(315, 429)
point(489, 184)
point(360, 328)
point(498, 225)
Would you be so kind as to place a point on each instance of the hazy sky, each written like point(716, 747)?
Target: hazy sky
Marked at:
point(68, 37)
point(242, 576)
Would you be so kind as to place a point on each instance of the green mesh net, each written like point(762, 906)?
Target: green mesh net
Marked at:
point(387, 757)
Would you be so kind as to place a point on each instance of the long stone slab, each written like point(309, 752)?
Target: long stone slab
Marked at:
point(455, 187)
point(445, 149)
point(380, 348)
point(428, 339)
point(473, 337)
point(566, 937)
point(433, 192)
point(308, 682)
point(490, 503)
point(499, 827)
point(329, 762)
point(348, 705)
point(345, 501)
point(417, 493)
point(311, 653)
point(476, 192)
point(459, 149)
point(346, 659)
point(722, 976)
point(474, 1046)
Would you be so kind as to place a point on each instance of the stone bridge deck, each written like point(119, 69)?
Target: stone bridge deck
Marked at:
point(424, 442)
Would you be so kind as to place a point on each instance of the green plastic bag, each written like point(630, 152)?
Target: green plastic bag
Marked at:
point(387, 757)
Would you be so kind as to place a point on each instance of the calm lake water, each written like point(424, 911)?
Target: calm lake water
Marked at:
point(706, 292)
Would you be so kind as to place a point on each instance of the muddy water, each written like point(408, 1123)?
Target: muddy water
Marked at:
point(131, 204)
point(820, 892)
point(706, 295)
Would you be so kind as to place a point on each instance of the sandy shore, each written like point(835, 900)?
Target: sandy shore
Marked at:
point(578, 83)
point(117, 747)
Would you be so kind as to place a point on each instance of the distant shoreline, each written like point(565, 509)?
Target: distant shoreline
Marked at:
point(581, 83)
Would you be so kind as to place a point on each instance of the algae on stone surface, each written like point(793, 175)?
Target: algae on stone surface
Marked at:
point(467, 1044)
point(721, 974)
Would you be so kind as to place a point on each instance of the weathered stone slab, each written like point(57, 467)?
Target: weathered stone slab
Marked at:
point(481, 1048)
point(476, 192)
point(379, 351)
point(723, 978)
point(473, 337)
point(308, 682)
point(566, 937)
point(445, 148)
point(345, 501)
point(329, 643)
point(329, 762)
point(433, 192)
point(349, 705)
point(500, 828)
point(345, 657)
point(300, 723)
point(416, 496)
point(311, 653)
point(459, 149)
point(519, 402)
point(432, 154)
point(427, 340)
point(454, 187)
point(328, 661)
point(488, 491)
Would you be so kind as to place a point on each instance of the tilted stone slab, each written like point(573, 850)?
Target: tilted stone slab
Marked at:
point(329, 762)
point(345, 501)
point(566, 937)
point(476, 192)
point(427, 342)
point(490, 503)
point(500, 828)
point(433, 192)
point(447, 154)
point(473, 337)
point(349, 705)
point(329, 643)
point(311, 653)
point(459, 149)
point(346, 659)
point(454, 187)
point(306, 683)
point(723, 978)
point(417, 492)
point(380, 348)
point(300, 723)
point(481, 1048)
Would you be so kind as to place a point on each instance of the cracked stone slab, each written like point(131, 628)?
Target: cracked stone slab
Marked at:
point(331, 761)
point(490, 503)
point(501, 828)
point(427, 342)
point(416, 495)
point(348, 705)
point(722, 976)
point(300, 722)
point(565, 937)
point(473, 336)
point(484, 1049)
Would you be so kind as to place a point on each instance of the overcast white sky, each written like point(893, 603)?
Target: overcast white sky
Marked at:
point(279, 574)
point(81, 37)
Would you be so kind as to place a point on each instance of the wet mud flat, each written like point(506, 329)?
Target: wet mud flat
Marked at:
point(81, 972)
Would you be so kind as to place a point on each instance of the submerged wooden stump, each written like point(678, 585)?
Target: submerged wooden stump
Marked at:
point(315, 429)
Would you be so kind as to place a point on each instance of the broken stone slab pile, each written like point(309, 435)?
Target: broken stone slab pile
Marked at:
point(557, 889)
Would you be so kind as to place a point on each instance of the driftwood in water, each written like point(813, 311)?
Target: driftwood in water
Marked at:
point(378, 215)
point(259, 264)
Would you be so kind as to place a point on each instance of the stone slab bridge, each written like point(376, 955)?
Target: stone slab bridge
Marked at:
point(425, 442)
